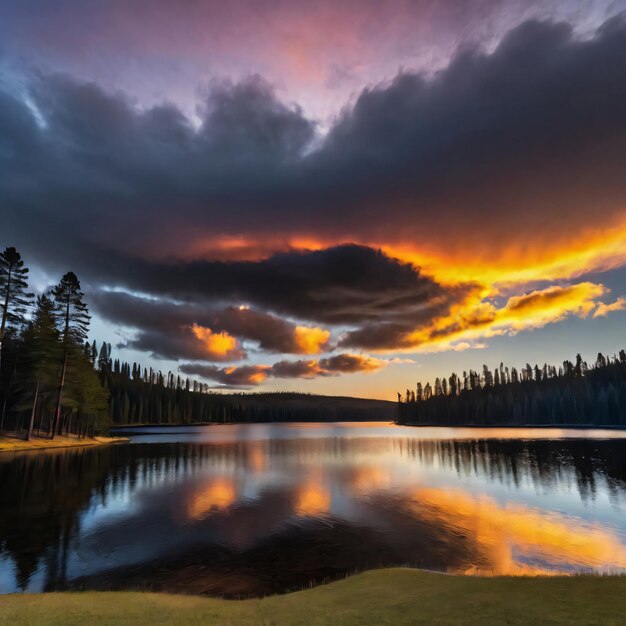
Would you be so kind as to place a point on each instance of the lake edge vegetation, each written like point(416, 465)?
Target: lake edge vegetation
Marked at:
point(574, 394)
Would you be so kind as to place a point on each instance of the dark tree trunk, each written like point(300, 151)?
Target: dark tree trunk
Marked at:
point(31, 424)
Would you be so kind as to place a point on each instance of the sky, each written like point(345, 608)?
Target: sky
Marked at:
point(338, 198)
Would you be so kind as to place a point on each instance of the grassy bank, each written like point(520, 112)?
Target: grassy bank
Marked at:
point(15, 444)
point(392, 596)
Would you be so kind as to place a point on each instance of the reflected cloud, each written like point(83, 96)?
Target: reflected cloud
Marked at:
point(312, 498)
point(514, 539)
point(217, 495)
point(370, 478)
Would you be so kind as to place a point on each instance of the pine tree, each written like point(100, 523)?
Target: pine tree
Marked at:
point(39, 355)
point(14, 299)
point(73, 318)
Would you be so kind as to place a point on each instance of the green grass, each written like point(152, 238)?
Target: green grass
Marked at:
point(392, 596)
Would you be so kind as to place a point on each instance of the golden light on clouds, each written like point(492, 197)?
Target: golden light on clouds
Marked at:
point(515, 539)
point(311, 340)
point(217, 495)
point(217, 345)
point(487, 272)
point(518, 262)
point(604, 309)
point(476, 319)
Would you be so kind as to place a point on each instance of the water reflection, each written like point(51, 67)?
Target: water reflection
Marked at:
point(217, 494)
point(237, 515)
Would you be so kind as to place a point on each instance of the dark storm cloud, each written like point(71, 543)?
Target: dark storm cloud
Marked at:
point(230, 377)
point(341, 285)
point(530, 135)
point(509, 150)
point(252, 375)
point(166, 328)
point(351, 286)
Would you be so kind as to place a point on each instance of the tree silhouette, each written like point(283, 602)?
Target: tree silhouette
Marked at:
point(14, 299)
point(39, 356)
point(576, 394)
point(73, 321)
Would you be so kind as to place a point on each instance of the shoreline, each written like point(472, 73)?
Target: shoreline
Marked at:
point(130, 427)
point(37, 443)
point(522, 426)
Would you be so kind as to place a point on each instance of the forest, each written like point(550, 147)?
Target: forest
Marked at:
point(53, 380)
point(576, 393)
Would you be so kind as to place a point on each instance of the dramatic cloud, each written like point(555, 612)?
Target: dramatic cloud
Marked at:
point(435, 211)
point(518, 145)
point(251, 375)
point(175, 330)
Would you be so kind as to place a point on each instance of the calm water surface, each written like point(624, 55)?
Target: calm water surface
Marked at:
point(253, 509)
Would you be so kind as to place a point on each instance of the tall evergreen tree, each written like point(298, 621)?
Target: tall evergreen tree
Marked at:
point(39, 356)
point(14, 298)
point(73, 321)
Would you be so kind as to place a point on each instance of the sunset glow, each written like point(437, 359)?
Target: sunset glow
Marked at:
point(311, 340)
point(216, 344)
point(511, 537)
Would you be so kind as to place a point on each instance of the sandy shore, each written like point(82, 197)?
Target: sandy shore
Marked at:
point(14, 444)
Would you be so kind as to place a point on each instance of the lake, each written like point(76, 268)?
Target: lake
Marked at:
point(253, 509)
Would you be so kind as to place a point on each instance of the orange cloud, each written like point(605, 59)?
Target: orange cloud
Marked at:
point(217, 345)
point(604, 309)
point(475, 318)
point(311, 340)
point(542, 258)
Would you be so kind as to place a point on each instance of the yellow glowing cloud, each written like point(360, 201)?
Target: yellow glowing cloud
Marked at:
point(548, 257)
point(604, 309)
point(217, 345)
point(538, 308)
point(311, 340)
point(510, 535)
point(474, 318)
point(217, 495)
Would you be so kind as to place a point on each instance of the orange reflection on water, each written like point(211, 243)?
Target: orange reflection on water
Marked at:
point(370, 478)
point(312, 498)
point(510, 537)
point(216, 495)
point(256, 457)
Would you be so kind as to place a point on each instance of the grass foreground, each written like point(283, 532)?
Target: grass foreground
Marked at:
point(16, 444)
point(389, 596)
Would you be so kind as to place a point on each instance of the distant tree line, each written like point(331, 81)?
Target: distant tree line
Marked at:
point(145, 396)
point(577, 393)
